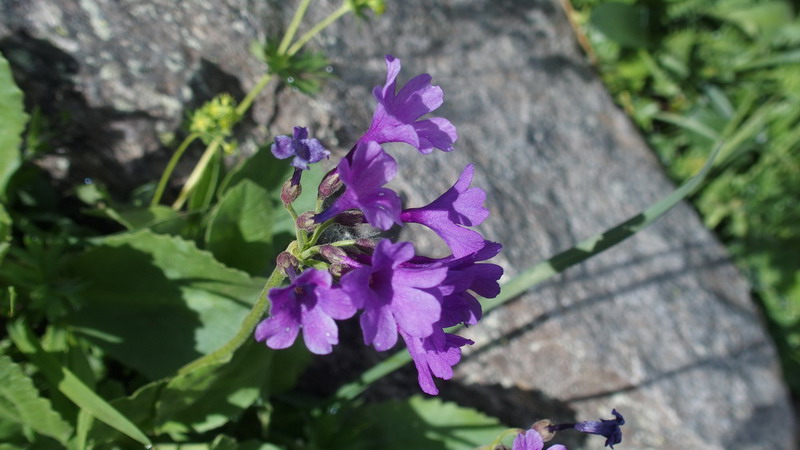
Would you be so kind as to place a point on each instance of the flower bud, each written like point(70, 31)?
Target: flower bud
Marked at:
point(333, 254)
point(350, 218)
point(336, 269)
point(365, 244)
point(290, 192)
point(305, 221)
point(543, 428)
point(329, 184)
point(286, 262)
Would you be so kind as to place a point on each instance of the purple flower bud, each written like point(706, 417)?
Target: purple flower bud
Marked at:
point(329, 184)
point(305, 151)
point(290, 192)
point(531, 440)
point(306, 221)
point(333, 254)
point(286, 261)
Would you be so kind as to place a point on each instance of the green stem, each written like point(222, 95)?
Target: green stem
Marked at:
point(290, 32)
point(545, 270)
point(196, 174)
point(344, 9)
point(162, 183)
point(251, 96)
point(245, 332)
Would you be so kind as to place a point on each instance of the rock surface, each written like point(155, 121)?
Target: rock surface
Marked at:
point(660, 327)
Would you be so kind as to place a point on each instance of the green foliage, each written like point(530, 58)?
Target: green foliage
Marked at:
point(416, 423)
point(12, 124)
point(711, 70)
point(142, 290)
point(304, 71)
point(21, 402)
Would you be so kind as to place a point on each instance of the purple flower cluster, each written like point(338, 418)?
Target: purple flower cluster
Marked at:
point(396, 291)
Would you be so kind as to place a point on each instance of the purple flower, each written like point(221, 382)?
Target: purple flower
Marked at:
point(305, 151)
point(434, 356)
point(310, 303)
point(609, 428)
point(395, 118)
point(458, 207)
point(366, 169)
point(393, 297)
point(532, 440)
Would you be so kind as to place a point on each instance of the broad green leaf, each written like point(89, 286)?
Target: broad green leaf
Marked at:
point(415, 423)
point(69, 385)
point(156, 302)
point(262, 169)
point(240, 231)
point(754, 18)
point(210, 396)
point(628, 25)
point(20, 402)
point(5, 232)
point(12, 124)
point(138, 407)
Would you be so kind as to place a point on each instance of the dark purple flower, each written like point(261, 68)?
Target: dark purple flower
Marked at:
point(305, 151)
point(459, 207)
point(393, 297)
point(395, 118)
point(364, 172)
point(310, 303)
point(605, 427)
point(434, 356)
point(532, 440)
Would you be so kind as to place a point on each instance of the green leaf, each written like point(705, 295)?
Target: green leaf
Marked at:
point(70, 385)
point(5, 232)
point(138, 407)
point(156, 302)
point(415, 423)
point(20, 402)
point(628, 25)
point(12, 124)
point(209, 396)
point(240, 231)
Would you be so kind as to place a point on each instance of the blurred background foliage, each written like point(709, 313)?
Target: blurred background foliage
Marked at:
point(695, 72)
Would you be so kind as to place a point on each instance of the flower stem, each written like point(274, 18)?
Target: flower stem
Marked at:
point(162, 183)
point(245, 332)
point(251, 96)
point(290, 32)
point(303, 40)
point(196, 174)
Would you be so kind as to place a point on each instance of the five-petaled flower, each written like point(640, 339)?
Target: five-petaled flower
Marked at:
point(305, 151)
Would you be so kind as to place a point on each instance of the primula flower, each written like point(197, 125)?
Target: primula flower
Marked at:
point(305, 151)
point(458, 207)
point(310, 303)
point(532, 440)
point(366, 169)
point(609, 428)
point(394, 298)
point(395, 118)
point(434, 356)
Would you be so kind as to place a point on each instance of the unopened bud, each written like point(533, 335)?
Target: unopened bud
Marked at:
point(333, 254)
point(350, 218)
point(329, 184)
point(543, 427)
point(286, 262)
point(336, 269)
point(366, 244)
point(306, 221)
point(290, 192)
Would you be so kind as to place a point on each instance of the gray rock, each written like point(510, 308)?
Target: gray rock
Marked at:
point(660, 327)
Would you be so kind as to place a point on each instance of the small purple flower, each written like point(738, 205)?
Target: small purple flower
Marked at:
point(364, 172)
point(609, 428)
point(434, 356)
point(532, 440)
point(310, 303)
point(459, 207)
point(305, 151)
point(393, 297)
point(395, 118)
